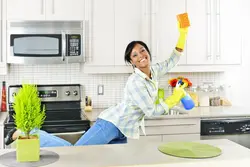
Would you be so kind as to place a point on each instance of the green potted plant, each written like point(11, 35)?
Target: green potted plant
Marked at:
point(29, 115)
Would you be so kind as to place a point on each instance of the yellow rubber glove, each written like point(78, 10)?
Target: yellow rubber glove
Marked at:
point(176, 97)
point(182, 38)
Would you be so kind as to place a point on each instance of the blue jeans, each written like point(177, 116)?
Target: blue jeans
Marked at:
point(102, 132)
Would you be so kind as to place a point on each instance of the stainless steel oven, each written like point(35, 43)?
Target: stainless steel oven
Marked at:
point(45, 42)
point(64, 116)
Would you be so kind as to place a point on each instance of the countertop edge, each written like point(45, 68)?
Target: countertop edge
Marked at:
point(199, 112)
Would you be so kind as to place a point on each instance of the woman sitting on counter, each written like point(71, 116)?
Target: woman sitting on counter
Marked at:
point(122, 121)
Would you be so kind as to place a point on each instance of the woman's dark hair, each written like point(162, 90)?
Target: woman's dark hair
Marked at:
point(130, 47)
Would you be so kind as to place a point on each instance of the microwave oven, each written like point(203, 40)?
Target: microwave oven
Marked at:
point(45, 43)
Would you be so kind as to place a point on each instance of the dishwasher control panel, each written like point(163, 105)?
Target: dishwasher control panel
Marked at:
point(225, 126)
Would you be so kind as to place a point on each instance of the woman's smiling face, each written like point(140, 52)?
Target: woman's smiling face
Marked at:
point(140, 57)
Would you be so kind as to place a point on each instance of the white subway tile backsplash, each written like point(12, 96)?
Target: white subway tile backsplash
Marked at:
point(113, 83)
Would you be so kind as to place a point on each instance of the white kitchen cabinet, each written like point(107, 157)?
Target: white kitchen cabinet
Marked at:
point(25, 9)
point(199, 42)
point(228, 46)
point(215, 34)
point(65, 10)
point(166, 130)
point(101, 34)
point(45, 9)
point(214, 37)
point(165, 31)
point(172, 128)
point(111, 28)
point(128, 26)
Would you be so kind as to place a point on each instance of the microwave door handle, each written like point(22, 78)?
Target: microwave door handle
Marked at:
point(63, 46)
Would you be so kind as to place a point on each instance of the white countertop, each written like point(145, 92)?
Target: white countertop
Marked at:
point(201, 112)
point(143, 153)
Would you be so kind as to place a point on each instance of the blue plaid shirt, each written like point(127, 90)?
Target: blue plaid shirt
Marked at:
point(140, 95)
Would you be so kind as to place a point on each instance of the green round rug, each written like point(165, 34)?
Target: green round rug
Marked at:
point(189, 150)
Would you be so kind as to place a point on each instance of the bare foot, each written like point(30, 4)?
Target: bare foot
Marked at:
point(15, 135)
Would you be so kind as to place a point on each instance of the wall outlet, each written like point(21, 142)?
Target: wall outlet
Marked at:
point(100, 90)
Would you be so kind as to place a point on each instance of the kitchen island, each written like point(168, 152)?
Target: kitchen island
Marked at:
point(144, 154)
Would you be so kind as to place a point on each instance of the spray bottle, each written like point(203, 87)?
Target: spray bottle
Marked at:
point(186, 101)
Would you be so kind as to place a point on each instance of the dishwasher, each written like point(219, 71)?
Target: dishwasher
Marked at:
point(236, 130)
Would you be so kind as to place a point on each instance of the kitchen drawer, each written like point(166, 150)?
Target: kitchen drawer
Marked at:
point(160, 122)
point(172, 129)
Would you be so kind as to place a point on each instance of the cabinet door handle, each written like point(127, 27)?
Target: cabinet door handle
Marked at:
point(218, 55)
point(209, 29)
point(64, 45)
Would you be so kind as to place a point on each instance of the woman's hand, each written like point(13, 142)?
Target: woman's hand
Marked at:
point(176, 97)
point(182, 38)
point(182, 30)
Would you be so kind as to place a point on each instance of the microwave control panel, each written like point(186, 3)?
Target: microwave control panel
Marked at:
point(73, 44)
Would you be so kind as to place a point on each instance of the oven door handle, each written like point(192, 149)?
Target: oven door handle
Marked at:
point(69, 133)
point(63, 45)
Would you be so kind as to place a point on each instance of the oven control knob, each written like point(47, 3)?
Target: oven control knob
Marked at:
point(67, 93)
point(75, 93)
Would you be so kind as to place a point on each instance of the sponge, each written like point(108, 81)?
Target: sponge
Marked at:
point(183, 20)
